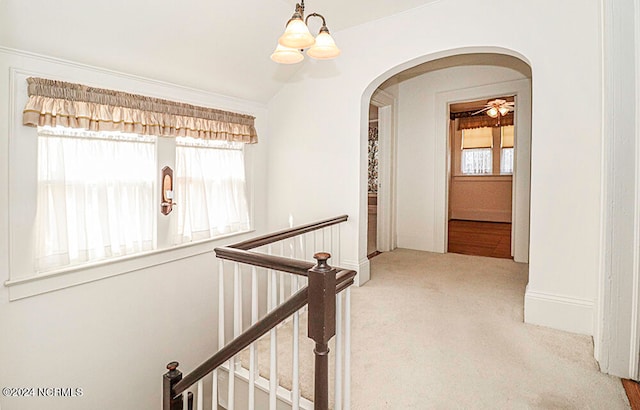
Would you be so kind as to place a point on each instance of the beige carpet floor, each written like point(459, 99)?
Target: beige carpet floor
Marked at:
point(446, 331)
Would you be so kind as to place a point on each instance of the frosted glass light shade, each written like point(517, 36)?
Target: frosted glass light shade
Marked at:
point(286, 55)
point(325, 47)
point(503, 110)
point(492, 112)
point(296, 35)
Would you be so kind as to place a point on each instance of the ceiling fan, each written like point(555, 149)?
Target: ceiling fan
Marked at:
point(497, 107)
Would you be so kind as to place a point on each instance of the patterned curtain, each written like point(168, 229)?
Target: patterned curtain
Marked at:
point(373, 159)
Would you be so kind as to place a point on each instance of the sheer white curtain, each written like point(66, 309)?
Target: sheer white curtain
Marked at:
point(95, 196)
point(210, 189)
point(477, 161)
point(506, 161)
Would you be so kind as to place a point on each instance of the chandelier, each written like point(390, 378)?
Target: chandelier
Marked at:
point(297, 37)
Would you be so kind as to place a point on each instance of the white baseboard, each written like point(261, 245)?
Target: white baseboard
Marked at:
point(363, 269)
point(558, 312)
point(420, 243)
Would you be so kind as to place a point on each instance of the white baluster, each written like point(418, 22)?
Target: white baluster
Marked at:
point(272, 280)
point(221, 343)
point(273, 367)
point(214, 390)
point(237, 329)
point(252, 349)
point(282, 275)
point(237, 300)
point(347, 349)
point(295, 377)
point(323, 243)
point(200, 396)
point(338, 355)
point(335, 245)
point(295, 386)
point(305, 256)
point(221, 313)
point(338, 248)
point(232, 385)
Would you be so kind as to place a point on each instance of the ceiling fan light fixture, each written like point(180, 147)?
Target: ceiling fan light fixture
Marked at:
point(504, 110)
point(492, 112)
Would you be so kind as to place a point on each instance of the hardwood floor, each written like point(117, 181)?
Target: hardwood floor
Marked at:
point(480, 238)
point(633, 393)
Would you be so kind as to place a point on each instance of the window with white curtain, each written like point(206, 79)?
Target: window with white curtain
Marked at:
point(477, 161)
point(506, 149)
point(477, 153)
point(209, 189)
point(95, 197)
point(506, 161)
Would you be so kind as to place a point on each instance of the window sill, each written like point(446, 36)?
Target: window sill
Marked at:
point(86, 273)
point(482, 177)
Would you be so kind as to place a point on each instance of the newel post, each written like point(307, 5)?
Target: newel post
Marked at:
point(322, 323)
point(169, 380)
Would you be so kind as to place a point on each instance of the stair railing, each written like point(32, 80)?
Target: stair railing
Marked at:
point(324, 283)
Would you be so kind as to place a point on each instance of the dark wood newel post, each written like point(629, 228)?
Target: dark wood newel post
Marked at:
point(169, 380)
point(322, 323)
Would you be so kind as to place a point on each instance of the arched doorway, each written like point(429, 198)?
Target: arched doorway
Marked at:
point(421, 148)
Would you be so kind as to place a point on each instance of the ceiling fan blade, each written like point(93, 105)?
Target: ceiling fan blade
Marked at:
point(482, 110)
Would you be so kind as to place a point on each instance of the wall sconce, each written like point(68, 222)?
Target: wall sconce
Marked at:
point(167, 204)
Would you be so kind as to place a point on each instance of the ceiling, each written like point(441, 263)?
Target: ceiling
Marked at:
point(221, 46)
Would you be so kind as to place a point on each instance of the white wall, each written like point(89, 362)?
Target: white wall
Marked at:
point(111, 337)
point(417, 188)
point(318, 128)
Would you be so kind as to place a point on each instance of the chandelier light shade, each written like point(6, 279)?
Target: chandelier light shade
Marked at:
point(325, 47)
point(286, 55)
point(297, 34)
point(297, 37)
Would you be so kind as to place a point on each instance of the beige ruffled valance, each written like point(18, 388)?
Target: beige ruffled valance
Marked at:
point(65, 104)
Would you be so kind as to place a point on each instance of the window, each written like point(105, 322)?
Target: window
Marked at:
point(210, 189)
point(477, 152)
point(97, 199)
point(487, 151)
point(95, 196)
point(506, 150)
point(85, 205)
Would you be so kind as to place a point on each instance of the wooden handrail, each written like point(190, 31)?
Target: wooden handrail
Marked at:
point(288, 233)
point(323, 281)
point(343, 280)
point(264, 261)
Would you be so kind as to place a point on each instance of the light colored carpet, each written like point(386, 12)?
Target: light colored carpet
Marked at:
point(446, 331)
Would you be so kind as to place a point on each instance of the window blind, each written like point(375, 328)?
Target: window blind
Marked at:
point(507, 136)
point(477, 138)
